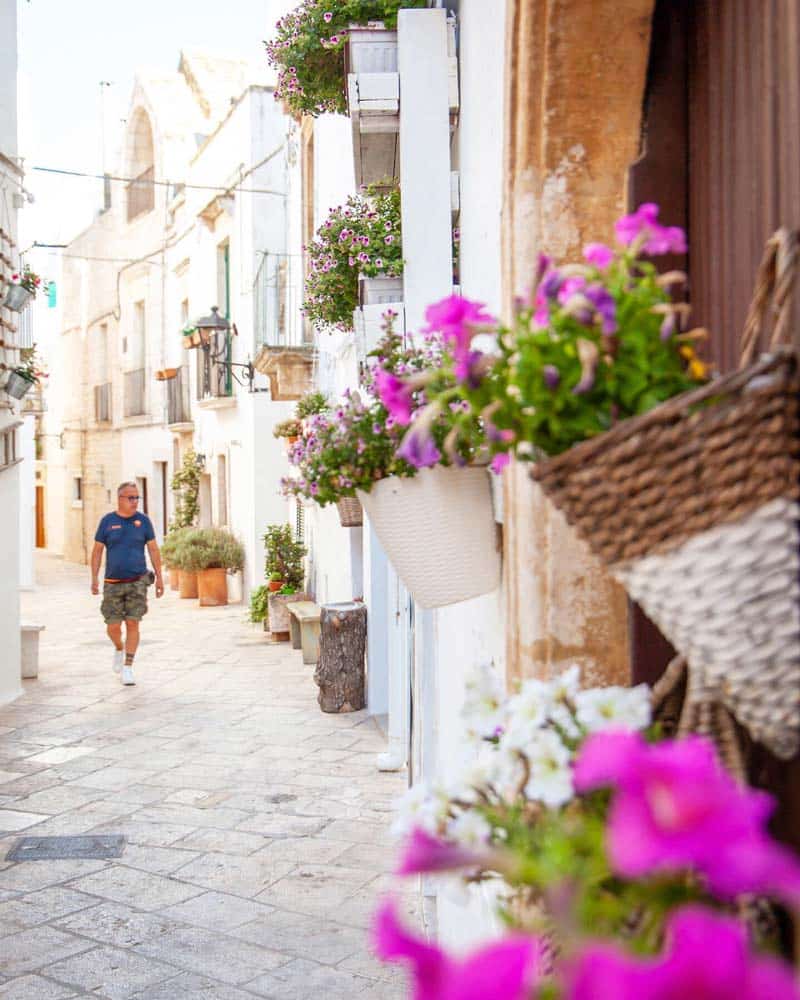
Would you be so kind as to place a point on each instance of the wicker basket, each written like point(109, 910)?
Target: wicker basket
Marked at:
point(693, 506)
point(351, 513)
point(438, 530)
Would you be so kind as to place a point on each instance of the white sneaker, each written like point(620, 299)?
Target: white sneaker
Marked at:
point(118, 661)
point(127, 675)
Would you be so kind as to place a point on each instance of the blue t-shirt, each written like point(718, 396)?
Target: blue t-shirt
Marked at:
point(125, 539)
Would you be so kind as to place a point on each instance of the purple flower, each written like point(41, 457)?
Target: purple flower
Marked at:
point(503, 970)
point(327, 17)
point(603, 302)
point(424, 853)
point(470, 368)
point(418, 448)
point(542, 265)
point(395, 396)
point(598, 254)
point(643, 223)
point(499, 462)
point(551, 375)
point(551, 283)
point(706, 958)
point(675, 807)
point(667, 326)
point(569, 287)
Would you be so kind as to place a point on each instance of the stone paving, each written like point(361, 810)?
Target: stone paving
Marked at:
point(257, 827)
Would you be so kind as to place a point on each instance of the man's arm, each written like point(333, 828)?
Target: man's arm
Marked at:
point(155, 559)
point(97, 558)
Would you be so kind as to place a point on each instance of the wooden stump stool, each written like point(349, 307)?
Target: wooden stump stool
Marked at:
point(340, 670)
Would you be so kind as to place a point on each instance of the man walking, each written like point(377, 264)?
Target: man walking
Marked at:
point(124, 535)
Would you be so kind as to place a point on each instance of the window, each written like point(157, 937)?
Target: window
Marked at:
point(141, 190)
point(102, 403)
point(8, 447)
point(138, 335)
point(133, 396)
point(77, 489)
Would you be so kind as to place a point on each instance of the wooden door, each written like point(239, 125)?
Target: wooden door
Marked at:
point(41, 540)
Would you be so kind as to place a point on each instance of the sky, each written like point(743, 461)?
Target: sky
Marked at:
point(67, 47)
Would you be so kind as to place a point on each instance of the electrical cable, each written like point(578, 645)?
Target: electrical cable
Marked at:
point(156, 183)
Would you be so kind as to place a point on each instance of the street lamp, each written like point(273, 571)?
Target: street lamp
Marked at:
point(208, 328)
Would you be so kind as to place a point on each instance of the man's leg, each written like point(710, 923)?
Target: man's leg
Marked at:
point(114, 630)
point(131, 640)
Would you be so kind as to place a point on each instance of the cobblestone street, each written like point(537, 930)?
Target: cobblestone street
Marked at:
point(256, 827)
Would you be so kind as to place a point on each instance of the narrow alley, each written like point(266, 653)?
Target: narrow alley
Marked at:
point(256, 828)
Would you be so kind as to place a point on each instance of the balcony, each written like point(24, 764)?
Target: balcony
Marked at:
point(178, 402)
point(102, 403)
point(134, 393)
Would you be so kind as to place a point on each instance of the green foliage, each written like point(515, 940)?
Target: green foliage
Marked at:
point(259, 604)
point(171, 544)
point(360, 237)
point(308, 50)
point(287, 428)
point(284, 556)
point(311, 403)
point(186, 492)
point(209, 548)
point(31, 365)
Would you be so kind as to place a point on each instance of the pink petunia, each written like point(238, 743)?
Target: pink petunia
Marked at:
point(676, 808)
point(395, 396)
point(503, 970)
point(499, 462)
point(424, 853)
point(706, 958)
point(598, 254)
point(456, 318)
point(644, 224)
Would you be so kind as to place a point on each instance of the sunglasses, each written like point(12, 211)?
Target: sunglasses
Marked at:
point(131, 498)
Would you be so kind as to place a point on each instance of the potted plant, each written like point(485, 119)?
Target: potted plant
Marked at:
point(211, 553)
point(259, 605)
point(360, 239)
point(427, 500)
point(169, 549)
point(307, 51)
point(275, 582)
point(290, 429)
point(185, 485)
point(24, 286)
point(28, 373)
point(310, 404)
point(284, 556)
point(191, 337)
point(165, 374)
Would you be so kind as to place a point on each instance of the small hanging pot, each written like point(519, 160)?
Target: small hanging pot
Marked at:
point(17, 297)
point(18, 385)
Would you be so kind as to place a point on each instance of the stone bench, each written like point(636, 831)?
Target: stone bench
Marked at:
point(29, 648)
point(304, 619)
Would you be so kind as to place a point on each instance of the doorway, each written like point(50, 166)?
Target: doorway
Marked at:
point(41, 539)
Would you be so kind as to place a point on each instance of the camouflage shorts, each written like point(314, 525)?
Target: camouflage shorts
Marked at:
point(124, 601)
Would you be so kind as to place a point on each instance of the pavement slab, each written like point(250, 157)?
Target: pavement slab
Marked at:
point(256, 827)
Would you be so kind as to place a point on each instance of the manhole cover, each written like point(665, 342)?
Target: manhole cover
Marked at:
point(57, 848)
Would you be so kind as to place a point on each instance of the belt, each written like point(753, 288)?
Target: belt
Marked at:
point(132, 579)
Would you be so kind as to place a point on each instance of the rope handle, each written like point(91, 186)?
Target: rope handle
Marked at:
point(773, 292)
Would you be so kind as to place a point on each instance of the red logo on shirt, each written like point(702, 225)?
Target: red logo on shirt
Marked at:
point(116, 527)
point(137, 524)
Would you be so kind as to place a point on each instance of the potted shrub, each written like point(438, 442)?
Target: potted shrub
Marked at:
point(185, 487)
point(191, 337)
point(169, 550)
point(429, 504)
point(24, 376)
point(275, 582)
point(307, 51)
point(211, 553)
point(359, 240)
point(290, 429)
point(284, 567)
point(24, 286)
point(310, 404)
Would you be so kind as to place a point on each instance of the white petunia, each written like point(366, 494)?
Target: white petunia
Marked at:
point(614, 708)
point(527, 713)
point(469, 829)
point(419, 807)
point(484, 710)
point(551, 775)
point(566, 686)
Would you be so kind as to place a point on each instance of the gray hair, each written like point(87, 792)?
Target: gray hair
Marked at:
point(124, 486)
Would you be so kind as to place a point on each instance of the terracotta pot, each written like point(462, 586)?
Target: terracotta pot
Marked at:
point(174, 579)
point(188, 583)
point(165, 374)
point(291, 438)
point(212, 587)
point(275, 585)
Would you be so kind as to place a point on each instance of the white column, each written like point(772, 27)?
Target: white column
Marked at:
point(428, 274)
point(27, 502)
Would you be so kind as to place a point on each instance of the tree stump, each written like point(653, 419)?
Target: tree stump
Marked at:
point(340, 669)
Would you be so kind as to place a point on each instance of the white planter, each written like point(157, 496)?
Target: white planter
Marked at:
point(380, 291)
point(371, 49)
point(438, 530)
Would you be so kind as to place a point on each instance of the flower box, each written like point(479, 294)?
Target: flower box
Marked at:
point(438, 530)
point(165, 374)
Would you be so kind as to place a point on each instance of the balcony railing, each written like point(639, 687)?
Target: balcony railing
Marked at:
point(178, 404)
point(134, 393)
point(102, 403)
point(140, 194)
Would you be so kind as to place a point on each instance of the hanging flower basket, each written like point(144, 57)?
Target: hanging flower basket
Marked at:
point(18, 384)
point(17, 297)
point(438, 531)
point(694, 507)
point(351, 513)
